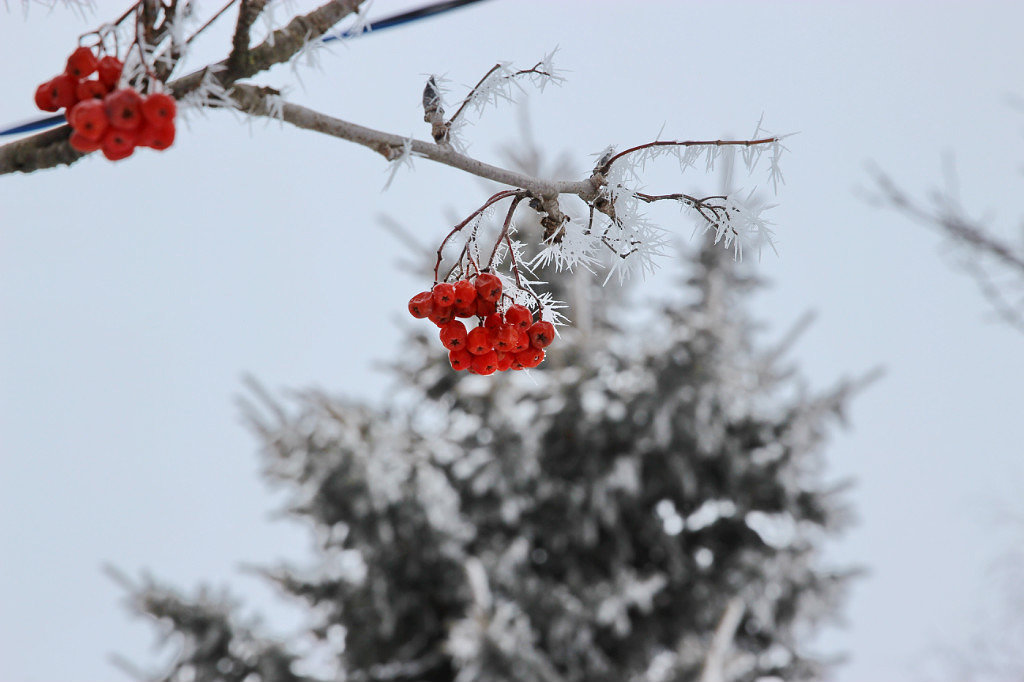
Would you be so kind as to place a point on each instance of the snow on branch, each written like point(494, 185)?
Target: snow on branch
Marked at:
point(499, 84)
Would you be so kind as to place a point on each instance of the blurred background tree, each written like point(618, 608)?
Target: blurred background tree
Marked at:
point(648, 505)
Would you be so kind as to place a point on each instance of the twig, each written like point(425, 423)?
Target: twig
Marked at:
point(210, 21)
point(493, 199)
point(606, 166)
point(487, 75)
point(948, 218)
point(248, 12)
point(721, 642)
point(504, 231)
point(252, 100)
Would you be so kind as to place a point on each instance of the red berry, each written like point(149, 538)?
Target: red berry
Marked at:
point(118, 144)
point(442, 316)
point(465, 292)
point(453, 335)
point(81, 63)
point(159, 108)
point(494, 321)
point(82, 144)
point(124, 109)
point(477, 341)
point(504, 360)
point(492, 324)
point(90, 90)
point(504, 337)
point(522, 341)
point(515, 364)
point(486, 363)
point(444, 294)
point(109, 71)
point(60, 93)
point(485, 307)
point(541, 334)
point(46, 98)
point(421, 305)
point(465, 310)
point(530, 358)
point(89, 119)
point(519, 316)
point(158, 137)
point(460, 359)
point(488, 287)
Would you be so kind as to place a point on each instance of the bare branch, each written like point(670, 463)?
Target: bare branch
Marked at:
point(210, 21)
point(252, 100)
point(279, 47)
point(948, 218)
point(606, 162)
point(715, 662)
point(952, 223)
point(535, 69)
point(43, 150)
point(493, 199)
point(248, 12)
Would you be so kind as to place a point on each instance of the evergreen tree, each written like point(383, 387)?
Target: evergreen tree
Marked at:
point(592, 521)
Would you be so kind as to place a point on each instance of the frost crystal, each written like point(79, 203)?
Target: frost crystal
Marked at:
point(275, 106)
point(501, 85)
point(404, 158)
point(209, 94)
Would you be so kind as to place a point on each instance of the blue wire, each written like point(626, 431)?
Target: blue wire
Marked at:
point(38, 124)
point(405, 17)
point(379, 25)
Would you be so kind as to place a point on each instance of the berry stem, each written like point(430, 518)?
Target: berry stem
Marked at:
point(504, 228)
point(494, 198)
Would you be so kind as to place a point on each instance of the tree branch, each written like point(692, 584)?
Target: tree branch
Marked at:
point(1000, 276)
point(253, 100)
point(248, 12)
point(714, 663)
point(49, 149)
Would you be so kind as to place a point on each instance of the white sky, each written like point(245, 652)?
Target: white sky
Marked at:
point(133, 296)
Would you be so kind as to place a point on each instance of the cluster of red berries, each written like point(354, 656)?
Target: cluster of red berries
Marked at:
point(104, 116)
point(509, 340)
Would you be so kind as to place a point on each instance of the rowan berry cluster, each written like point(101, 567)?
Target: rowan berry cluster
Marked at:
point(500, 341)
point(104, 116)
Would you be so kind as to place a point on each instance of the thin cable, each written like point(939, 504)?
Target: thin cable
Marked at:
point(387, 22)
point(404, 18)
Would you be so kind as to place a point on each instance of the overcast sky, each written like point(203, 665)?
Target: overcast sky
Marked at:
point(134, 296)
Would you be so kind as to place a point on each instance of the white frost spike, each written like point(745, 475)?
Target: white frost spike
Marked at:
point(209, 94)
point(359, 26)
point(774, 170)
point(547, 66)
point(403, 159)
point(524, 291)
point(501, 84)
point(752, 154)
point(275, 106)
point(309, 55)
point(577, 249)
point(742, 225)
point(269, 21)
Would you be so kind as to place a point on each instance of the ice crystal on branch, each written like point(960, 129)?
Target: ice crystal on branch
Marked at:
point(403, 158)
point(210, 93)
point(500, 84)
point(736, 222)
